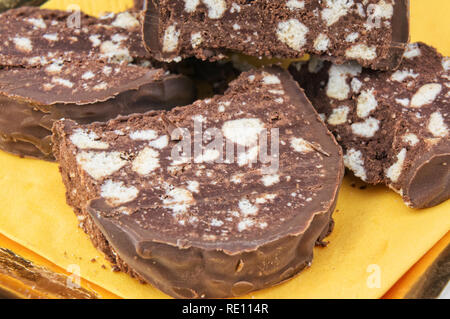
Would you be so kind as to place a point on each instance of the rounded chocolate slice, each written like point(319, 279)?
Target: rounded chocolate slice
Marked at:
point(393, 126)
point(216, 199)
point(31, 99)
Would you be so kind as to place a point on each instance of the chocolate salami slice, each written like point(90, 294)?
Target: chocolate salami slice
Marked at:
point(176, 29)
point(209, 77)
point(393, 126)
point(216, 199)
point(33, 37)
point(31, 99)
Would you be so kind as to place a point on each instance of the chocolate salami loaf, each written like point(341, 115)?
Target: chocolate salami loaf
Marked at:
point(216, 199)
point(31, 99)
point(33, 37)
point(393, 126)
point(372, 32)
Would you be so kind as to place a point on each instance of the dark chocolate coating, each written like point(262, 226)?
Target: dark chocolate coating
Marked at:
point(409, 147)
point(260, 233)
point(208, 30)
point(27, 111)
point(197, 272)
point(428, 180)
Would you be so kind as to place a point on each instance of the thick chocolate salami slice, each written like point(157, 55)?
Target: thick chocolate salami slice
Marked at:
point(31, 99)
point(393, 126)
point(207, 29)
point(33, 36)
point(191, 200)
